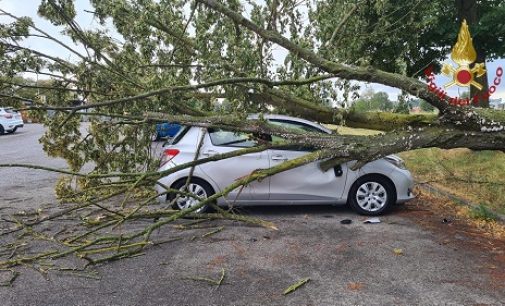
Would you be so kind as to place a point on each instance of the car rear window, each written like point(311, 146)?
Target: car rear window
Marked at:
point(182, 131)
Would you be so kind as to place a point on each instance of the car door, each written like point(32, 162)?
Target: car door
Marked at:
point(227, 171)
point(307, 182)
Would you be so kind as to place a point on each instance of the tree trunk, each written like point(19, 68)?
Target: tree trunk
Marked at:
point(468, 9)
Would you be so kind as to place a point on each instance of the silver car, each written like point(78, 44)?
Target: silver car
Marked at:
point(10, 120)
point(370, 190)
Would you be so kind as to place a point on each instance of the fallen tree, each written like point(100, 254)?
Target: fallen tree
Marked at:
point(178, 63)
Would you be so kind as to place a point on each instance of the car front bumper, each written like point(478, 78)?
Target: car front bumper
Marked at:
point(404, 184)
point(14, 124)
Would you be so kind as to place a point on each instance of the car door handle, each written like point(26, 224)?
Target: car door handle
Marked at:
point(210, 153)
point(279, 157)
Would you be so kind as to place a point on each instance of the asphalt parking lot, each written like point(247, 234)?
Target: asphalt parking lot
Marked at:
point(410, 258)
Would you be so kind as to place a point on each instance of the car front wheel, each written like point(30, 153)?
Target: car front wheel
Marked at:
point(371, 195)
point(200, 190)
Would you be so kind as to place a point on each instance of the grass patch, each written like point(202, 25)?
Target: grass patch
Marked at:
point(481, 212)
point(478, 177)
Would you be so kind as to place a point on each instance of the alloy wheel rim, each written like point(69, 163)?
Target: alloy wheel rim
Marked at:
point(184, 202)
point(371, 196)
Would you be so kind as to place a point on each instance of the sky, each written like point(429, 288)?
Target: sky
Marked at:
point(86, 21)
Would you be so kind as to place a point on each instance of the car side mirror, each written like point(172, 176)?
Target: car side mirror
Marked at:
point(338, 171)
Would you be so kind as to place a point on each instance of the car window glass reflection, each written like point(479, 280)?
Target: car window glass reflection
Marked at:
point(221, 137)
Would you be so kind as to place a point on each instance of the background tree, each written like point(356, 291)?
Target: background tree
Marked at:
point(373, 101)
point(407, 36)
point(402, 106)
point(426, 107)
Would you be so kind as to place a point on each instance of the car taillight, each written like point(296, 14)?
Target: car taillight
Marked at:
point(168, 154)
point(8, 116)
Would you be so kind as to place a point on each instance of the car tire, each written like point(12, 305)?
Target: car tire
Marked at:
point(372, 195)
point(196, 186)
point(13, 130)
point(1, 129)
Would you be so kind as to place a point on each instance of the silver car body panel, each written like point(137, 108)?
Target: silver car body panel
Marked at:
point(226, 171)
point(306, 184)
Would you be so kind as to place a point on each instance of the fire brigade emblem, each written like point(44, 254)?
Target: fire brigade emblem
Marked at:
point(463, 54)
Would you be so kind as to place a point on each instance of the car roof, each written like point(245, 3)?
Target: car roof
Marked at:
point(290, 118)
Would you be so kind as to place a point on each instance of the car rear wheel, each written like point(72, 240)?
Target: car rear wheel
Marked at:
point(1, 129)
point(372, 195)
point(197, 187)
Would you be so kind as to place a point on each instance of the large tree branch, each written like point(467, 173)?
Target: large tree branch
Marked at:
point(463, 118)
point(58, 60)
point(368, 74)
point(337, 30)
point(46, 35)
point(383, 121)
point(366, 149)
point(182, 88)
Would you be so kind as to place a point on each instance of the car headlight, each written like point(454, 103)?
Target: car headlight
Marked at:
point(396, 160)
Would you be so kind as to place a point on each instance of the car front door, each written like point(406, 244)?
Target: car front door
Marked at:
point(225, 172)
point(307, 182)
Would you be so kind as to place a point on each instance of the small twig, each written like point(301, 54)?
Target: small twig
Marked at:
point(80, 273)
point(127, 254)
point(166, 241)
point(296, 285)
point(215, 282)
point(213, 232)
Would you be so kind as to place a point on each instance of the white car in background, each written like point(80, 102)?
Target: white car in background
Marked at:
point(10, 120)
point(370, 190)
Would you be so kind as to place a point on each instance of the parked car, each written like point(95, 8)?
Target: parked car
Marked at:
point(370, 190)
point(10, 120)
point(166, 130)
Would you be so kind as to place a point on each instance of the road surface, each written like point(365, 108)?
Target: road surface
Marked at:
point(410, 258)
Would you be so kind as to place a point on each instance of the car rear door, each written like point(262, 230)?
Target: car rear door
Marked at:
point(225, 172)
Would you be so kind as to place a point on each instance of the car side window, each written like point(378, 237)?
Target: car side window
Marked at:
point(295, 126)
point(220, 137)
